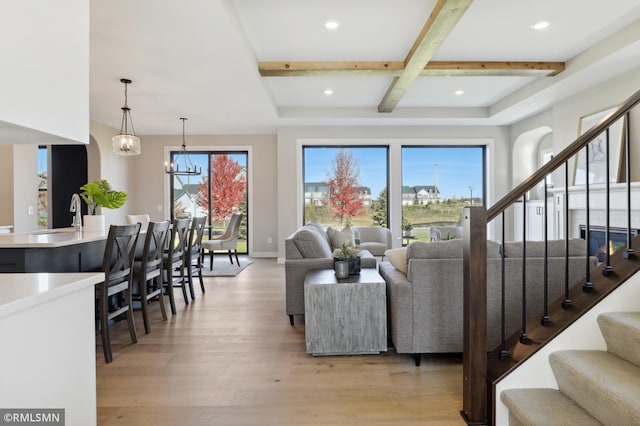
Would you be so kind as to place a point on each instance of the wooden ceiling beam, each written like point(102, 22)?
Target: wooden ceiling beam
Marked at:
point(443, 18)
point(328, 68)
point(396, 68)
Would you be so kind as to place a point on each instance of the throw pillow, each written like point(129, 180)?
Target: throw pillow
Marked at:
point(398, 258)
point(338, 238)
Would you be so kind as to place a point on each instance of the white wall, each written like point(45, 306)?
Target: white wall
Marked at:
point(290, 140)
point(563, 119)
point(566, 114)
point(45, 73)
point(19, 187)
point(45, 94)
point(25, 196)
point(102, 163)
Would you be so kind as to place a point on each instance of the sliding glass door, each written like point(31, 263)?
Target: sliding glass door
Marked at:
point(217, 193)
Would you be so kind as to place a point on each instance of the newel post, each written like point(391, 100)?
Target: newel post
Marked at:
point(474, 370)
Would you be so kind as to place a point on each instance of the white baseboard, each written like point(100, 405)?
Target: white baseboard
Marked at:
point(271, 254)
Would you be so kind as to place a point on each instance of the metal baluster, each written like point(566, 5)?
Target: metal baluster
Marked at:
point(503, 350)
point(545, 320)
point(608, 269)
point(588, 285)
point(567, 300)
point(629, 252)
point(524, 337)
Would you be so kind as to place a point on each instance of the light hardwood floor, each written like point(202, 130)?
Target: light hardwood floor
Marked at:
point(231, 358)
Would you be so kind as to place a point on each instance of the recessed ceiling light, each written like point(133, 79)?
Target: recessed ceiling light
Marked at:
point(331, 24)
point(459, 92)
point(541, 25)
point(328, 92)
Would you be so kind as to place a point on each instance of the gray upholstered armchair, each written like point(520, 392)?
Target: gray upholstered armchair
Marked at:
point(227, 241)
point(374, 239)
point(440, 233)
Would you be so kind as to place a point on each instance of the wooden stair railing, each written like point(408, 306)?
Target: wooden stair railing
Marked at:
point(482, 366)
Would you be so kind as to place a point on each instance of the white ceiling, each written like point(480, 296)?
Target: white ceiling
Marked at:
point(199, 59)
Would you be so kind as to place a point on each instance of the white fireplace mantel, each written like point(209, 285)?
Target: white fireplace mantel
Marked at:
point(597, 205)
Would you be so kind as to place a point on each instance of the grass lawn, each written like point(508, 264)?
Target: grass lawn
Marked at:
point(421, 217)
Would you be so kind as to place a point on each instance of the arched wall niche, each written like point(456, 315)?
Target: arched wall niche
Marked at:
point(93, 159)
point(526, 153)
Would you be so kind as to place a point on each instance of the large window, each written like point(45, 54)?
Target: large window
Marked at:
point(43, 204)
point(437, 183)
point(346, 185)
point(218, 192)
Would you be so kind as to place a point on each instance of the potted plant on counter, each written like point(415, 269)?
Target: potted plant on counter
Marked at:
point(100, 194)
point(346, 261)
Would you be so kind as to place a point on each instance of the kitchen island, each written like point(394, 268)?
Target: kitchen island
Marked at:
point(53, 250)
point(47, 359)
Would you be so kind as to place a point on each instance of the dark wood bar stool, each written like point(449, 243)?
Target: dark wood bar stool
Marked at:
point(117, 266)
point(192, 258)
point(147, 272)
point(173, 260)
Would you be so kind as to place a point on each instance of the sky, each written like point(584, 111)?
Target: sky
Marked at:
point(42, 160)
point(457, 168)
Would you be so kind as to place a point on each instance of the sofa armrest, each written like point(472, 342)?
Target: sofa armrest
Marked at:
point(367, 260)
point(437, 289)
point(295, 272)
point(399, 307)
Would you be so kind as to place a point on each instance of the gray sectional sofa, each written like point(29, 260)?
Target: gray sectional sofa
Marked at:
point(424, 305)
point(309, 248)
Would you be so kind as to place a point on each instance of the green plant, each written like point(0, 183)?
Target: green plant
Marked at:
point(347, 251)
point(100, 194)
point(406, 225)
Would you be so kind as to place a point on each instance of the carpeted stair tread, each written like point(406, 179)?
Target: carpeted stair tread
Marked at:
point(621, 331)
point(606, 386)
point(544, 407)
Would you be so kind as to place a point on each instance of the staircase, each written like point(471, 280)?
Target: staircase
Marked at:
point(595, 387)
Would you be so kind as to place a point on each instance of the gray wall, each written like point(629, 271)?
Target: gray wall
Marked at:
point(150, 185)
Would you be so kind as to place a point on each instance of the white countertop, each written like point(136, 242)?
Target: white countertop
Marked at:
point(49, 238)
point(22, 291)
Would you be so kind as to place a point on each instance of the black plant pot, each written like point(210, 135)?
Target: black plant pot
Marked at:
point(354, 266)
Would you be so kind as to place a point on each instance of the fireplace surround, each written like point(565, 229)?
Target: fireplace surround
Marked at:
point(597, 243)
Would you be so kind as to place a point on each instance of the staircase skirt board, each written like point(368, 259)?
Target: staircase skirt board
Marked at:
point(621, 331)
point(544, 407)
point(603, 384)
point(536, 372)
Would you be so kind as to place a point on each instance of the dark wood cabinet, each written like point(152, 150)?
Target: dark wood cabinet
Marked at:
point(79, 257)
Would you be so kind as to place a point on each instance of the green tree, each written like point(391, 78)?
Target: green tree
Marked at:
point(380, 208)
point(242, 232)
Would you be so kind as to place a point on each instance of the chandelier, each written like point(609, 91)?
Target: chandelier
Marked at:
point(125, 143)
point(182, 164)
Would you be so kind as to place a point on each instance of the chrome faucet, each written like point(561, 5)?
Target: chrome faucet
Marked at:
point(77, 209)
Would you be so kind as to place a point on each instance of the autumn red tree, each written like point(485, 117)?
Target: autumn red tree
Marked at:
point(228, 187)
point(344, 196)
